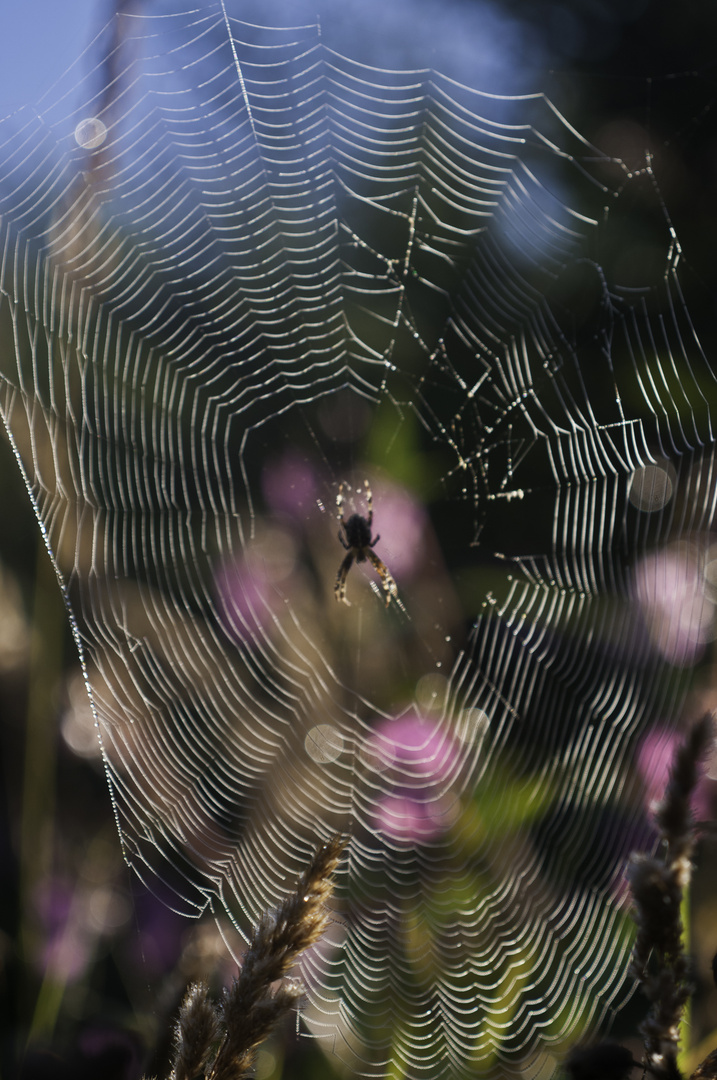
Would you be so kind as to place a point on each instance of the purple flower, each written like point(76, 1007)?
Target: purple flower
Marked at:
point(416, 762)
point(248, 587)
point(69, 940)
point(290, 486)
point(654, 759)
point(160, 932)
point(402, 523)
point(244, 596)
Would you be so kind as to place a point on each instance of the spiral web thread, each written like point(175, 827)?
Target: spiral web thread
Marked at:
point(239, 270)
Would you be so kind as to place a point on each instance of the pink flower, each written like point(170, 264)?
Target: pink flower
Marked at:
point(670, 587)
point(417, 762)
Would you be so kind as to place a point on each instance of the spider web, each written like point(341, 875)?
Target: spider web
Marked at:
point(240, 269)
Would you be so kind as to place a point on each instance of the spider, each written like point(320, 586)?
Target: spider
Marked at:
point(358, 544)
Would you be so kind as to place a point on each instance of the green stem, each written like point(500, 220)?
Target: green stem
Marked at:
point(38, 790)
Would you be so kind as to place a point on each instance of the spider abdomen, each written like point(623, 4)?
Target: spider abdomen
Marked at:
point(358, 535)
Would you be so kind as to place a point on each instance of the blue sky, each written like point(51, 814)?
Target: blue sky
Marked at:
point(39, 39)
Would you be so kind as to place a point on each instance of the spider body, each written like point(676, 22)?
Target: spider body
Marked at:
point(358, 536)
point(357, 540)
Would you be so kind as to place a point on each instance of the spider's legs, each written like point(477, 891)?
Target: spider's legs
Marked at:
point(340, 586)
point(369, 503)
point(387, 583)
point(340, 503)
